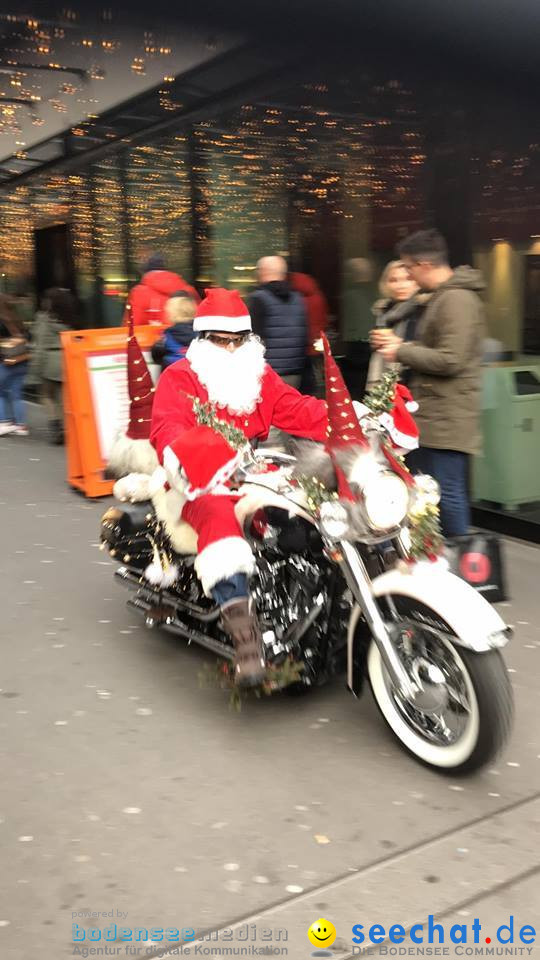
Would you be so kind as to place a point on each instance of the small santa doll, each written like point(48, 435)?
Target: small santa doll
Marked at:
point(225, 367)
point(398, 421)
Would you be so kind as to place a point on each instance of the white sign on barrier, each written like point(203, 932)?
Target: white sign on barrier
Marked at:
point(108, 382)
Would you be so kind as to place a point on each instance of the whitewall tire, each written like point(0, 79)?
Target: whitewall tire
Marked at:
point(486, 724)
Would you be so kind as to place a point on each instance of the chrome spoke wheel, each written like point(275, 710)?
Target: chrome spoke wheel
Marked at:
point(442, 709)
point(461, 714)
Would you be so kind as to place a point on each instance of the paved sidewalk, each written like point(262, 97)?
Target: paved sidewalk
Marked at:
point(128, 788)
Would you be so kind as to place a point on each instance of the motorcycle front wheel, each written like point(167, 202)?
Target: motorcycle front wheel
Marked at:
point(463, 714)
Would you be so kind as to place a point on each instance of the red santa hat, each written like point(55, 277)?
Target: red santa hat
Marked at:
point(399, 422)
point(343, 426)
point(222, 310)
point(132, 451)
point(206, 458)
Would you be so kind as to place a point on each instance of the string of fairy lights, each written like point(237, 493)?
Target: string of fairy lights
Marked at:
point(264, 175)
point(246, 172)
point(66, 54)
point(159, 199)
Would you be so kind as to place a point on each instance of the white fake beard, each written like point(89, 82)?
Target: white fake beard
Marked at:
point(232, 378)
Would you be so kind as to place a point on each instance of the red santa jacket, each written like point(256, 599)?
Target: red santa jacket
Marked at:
point(280, 406)
point(147, 300)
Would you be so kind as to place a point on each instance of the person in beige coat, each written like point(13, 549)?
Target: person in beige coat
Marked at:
point(445, 359)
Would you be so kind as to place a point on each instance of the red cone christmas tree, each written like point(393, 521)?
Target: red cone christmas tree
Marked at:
point(140, 389)
point(132, 451)
point(344, 429)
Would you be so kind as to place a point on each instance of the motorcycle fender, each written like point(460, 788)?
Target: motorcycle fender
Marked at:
point(475, 623)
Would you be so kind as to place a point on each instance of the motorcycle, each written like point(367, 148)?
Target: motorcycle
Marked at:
point(337, 591)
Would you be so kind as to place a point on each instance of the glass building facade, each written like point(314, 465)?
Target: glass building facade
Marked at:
point(329, 171)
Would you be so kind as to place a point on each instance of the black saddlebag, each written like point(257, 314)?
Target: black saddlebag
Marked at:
point(124, 529)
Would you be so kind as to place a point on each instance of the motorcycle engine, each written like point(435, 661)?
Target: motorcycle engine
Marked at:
point(291, 594)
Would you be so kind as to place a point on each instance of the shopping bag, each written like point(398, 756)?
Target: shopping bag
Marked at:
point(477, 558)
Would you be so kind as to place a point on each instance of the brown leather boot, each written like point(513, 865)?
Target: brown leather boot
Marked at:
point(239, 620)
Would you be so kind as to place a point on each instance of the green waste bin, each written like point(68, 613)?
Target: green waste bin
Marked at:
point(508, 470)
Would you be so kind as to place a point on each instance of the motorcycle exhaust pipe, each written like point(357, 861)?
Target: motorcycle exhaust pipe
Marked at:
point(134, 582)
point(174, 625)
point(127, 578)
point(297, 630)
point(359, 583)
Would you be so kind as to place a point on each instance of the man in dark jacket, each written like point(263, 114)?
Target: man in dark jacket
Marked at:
point(278, 317)
point(445, 360)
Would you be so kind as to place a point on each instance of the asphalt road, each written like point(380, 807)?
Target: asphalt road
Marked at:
point(128, 788)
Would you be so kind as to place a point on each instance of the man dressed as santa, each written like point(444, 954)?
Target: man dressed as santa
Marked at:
point(225, 367)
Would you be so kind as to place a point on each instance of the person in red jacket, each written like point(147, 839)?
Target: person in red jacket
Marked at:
point(316, 306)
point(147, 299)
point(317, 322)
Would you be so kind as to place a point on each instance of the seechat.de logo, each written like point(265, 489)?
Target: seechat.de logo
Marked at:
point(459, 934)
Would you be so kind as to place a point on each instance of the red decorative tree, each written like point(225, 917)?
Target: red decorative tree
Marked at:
point(140, 388)
point(343, 426)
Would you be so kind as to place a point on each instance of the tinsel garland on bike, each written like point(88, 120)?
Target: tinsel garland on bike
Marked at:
point(206, 416)
point(423, 517)
point(425, 530)
point(379, 398)
point(315, 492)
point(424, 523)
point(277, 677)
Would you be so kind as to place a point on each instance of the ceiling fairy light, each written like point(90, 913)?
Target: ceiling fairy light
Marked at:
point(251, 164)
point(47, 67)
point(34, 49)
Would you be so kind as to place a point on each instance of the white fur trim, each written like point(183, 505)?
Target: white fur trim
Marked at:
point(364, 470)
point(412, 406)
point(360, 409)
point(217, 481)
point(223, 559)
point(135, 487)
point(171, 464)
point(157, 480)
point(170, 575)
point(404, 440)
point(168, 505)
point(131, 456)
point(159, 577)
point(227, 324)
point(154, 574)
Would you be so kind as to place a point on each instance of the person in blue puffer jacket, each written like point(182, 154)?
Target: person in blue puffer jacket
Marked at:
point(279, 318)
point(172, 346)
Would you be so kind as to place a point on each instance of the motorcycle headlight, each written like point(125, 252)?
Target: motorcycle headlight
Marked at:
point(386, 501)
point(333, 520)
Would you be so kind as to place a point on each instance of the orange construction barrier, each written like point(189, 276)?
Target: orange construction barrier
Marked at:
point(96, 399)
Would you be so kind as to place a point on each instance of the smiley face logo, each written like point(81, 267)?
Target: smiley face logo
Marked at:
point(322, 933)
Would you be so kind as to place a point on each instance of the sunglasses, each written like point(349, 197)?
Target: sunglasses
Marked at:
point(221, 341)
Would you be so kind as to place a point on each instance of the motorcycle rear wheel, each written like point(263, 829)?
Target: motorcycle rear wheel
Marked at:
point(479, 701)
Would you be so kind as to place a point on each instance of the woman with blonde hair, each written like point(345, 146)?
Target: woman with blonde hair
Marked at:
point(398, 310)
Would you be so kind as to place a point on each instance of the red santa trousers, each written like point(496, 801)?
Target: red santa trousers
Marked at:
point(222, 549)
